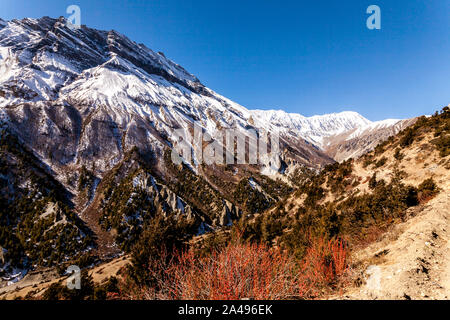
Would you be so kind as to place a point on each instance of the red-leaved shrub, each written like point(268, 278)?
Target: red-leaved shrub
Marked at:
point(246, 271)
point(324, 264)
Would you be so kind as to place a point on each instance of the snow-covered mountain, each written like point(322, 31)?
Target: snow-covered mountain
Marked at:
point(109, 93)
point(341, 135)
point(316, 128)
point(99, 77)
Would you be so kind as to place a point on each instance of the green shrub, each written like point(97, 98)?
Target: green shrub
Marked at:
point(373, 181)
point(427, 189)
point(380, 162)
point(407, 137)
point(443, 145)
point(398, 154)
point(367, 162)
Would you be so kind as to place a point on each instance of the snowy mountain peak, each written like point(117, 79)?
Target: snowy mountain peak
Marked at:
point(104, 94)
point(351, 116)
point(48, 56)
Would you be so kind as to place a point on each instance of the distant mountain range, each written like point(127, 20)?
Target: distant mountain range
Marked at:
point(341, 135)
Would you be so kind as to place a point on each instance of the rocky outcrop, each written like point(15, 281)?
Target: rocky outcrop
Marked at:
point(229, 213)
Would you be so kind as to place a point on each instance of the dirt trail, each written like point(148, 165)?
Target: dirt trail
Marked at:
point(411, 261)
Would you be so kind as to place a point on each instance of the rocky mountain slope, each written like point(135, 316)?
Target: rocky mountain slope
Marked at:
point(106, 95)
point(411, 260)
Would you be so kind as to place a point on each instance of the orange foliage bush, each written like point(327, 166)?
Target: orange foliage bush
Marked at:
point(236, 272)
point(324, 264)
point(244, 270)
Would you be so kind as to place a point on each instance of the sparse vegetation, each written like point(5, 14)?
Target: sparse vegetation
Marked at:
point(88, 290)
point(427, 190)
point(439, 123)
point(407, 138)
point(398, 154)
point(37, 226)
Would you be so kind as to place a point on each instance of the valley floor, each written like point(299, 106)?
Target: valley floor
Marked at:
point(36, 282)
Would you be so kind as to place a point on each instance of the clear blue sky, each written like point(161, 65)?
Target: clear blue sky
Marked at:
point(310, 57)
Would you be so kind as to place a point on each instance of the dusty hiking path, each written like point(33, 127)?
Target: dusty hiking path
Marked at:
point(412, 260)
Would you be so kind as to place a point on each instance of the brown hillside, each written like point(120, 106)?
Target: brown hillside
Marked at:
point(391, 205)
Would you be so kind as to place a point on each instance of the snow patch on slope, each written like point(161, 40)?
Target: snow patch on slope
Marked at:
point(377, 125)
